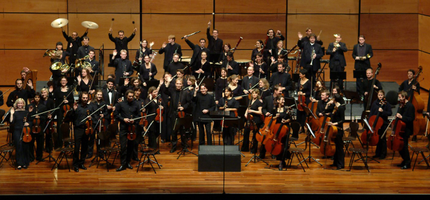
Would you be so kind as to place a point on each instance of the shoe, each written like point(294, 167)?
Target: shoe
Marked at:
point(82, 167)
point(136, 159)
point(25, 166)
point(401, 164)
point(375, 156)
point(76, 169)
point(158, 152)
point(333, 165)
point(89, 156)
point(172, 150)
point(19, 167)
point(129, 166)
point(338, 168)
point(162, 141)
point(280, 166)
point(406, 167)
point(121, 168)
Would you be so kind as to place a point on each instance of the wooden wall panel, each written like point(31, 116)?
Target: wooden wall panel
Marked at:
point(100, 36)
point(29, 31)
point(244, 6)
point(104, 6)
point(346, 25)
point(178, 6)
point(389, 6)
point(250, 27)
point(424, 61)
point(424, 7)
point(45, 6)
point(329, 6)
point(424, 29)
point(390, 31)
point(395, 64)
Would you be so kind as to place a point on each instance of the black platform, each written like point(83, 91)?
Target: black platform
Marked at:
point(214, 158)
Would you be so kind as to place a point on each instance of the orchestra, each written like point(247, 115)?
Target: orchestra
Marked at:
point(267, 89)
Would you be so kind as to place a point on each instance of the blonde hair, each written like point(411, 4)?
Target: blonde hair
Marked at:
point(16, 103)
point(266, 83)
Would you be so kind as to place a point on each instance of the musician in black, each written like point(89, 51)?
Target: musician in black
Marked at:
point(361, 53)
point(197, 50)
point(204, 104)
point(271, 42)
point(215, 44)
point(337, 112)
point(368, 87)
point(411, 84)
point(19, 92)
point(49, 104)
point(94, 65)
point(383, 108)
point(273, 68)
point(84, 50)
point(170, 49)
point(147, 71)
point(63, 55)
point(282, 79)
point(311, 56)
point(203, 67)
point(325, 94)
point(228, 103)
point(73, 43)
point(407, 115)
point(124, 112)
point(279, 50)
point(179, 102)
point(121, 42)
point(123, 66)
point(152, 105)
point(62, 96)
point(259, 49)
point(236, 89)
point(166, 84)
point(223, 56)
point(37, 135)
point(249, 81)
point(18, 116)
point(264, 87)
point(307, 37)
point(98, 102)
point(303, 89)
point(111, 97)
point(175, 65)
point(255, 109)
point(81, 118)
point(282, 115)
point(231, 65)
point(144, 50)
point(336, 51)
point(269, 105)
point(220, 84)
point(260, 67)
point(85, 82)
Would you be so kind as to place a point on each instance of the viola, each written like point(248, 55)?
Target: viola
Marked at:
point(395, 140)
point(377, 123)
point(159, 117)
point(88, 125)
point(131, 133)
point(36, 125)
point(26, 133)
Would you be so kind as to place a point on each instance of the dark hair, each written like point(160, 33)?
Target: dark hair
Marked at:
point(120, 31)
point(128, 92)
point(86, 37)
point(202, 39)
point(59, 43)
point(110, 80)
point(303, 71)
point(411, 70)
point(337, 97)
point(312, 35)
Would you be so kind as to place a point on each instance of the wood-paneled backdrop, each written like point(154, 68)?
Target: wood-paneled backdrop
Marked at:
point(397, 29)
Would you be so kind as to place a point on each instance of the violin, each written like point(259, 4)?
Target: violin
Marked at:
point(250, 119)
point(26, 133)
point(36, 124)
point(302, 100)
point(112, 119)
point(326, 147)
point(377, 123)
point(88, 125)
point(159, 116)
point(181, 113)
point(143, 121)
point(395, 140)
point(131, 133)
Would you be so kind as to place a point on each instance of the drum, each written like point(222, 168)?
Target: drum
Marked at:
point(243, 65)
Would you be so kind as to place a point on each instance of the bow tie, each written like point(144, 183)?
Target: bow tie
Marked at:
point(109, 90)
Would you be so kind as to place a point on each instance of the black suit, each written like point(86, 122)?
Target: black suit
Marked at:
point(282, 79)
point(361, 65)
point(83, 51)
point(121, 44)
point(247, 81)
point(109, 101)
point(337, 60)
point(306, 59)
point(204, 102)
point(121, 66)
point(233, 65)
point(197, 51)
point(170, 50)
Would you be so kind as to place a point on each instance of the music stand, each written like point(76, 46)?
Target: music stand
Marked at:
point(336, 76)
point(351, 95)
point(310, 133)
point(185, 124)
point(309, 114)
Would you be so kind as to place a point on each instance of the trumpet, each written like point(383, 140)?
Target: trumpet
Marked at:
point(49, 52)
point(312, 57)
point(336, 44)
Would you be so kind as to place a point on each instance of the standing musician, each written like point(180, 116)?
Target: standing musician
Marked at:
point(255, 109)
point(18, 113)
point(94, 65)
point(281, 79)
point(84, 50)
point(250, 80)
point(311, 56)
point(264, 88)
point(215, 44)
point(58, 73)
point(49, 104)
point(123, 66)
point(282, 116)
point(279, 50)
point(269, 104)
point(179, 102)
point(111, 97)
point(81, 112)
point(65, 53)
point(147, 71)
point(361, 53)
point(144, 50)
point(37, 132)
point(260, 67)
point(204, 104)
point(337, 58)
point(231, 65)
point(203, 67)
point(102, 114)
point(19, 92)
point(170, 49)
point(303, 89)
point(271, 42)
point(62, 98)
point(175, 64)
point(154, 130)
point(367, 85)
point(220, 84)
point(410, 85)
point(226, 49)
point(307, 37)
point(236, 89)
point(228, 103)
point(73, 43)
point(258, 50)
point(407, 115)
point(197, 50)
point(121, 42)
point(85, 82)
point(165, 85)
point(274, 65)
point(383, 107)
point(337, 119)
point(124, 112)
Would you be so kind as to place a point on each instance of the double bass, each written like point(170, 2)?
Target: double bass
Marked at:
point(417, 101)
point(371, 97)
point(377, 123)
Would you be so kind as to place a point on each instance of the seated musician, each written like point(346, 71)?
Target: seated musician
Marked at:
point(258, 50)
point(282, 116)
point(202, 67)
point(383, 108)
point(269, 104)
point(336, 90)
point(282, 79)
point(37, 135)
point(367, 86)
point(316, 96)
point(235, 88)
point(255, 109)
point(180, 101)
point(228, 103)
point(304, 89)
point(231, 65)
point(260, 67)
point(273, 68)
point(250, 80)
point(337, 112)
point(18, 114)
point(204, 104)
point(406, 113)
point(220, 84)
point(225, 51)
point(264, 88)
point(175, 65)
point(125, 111)
point(410, 85)
point(81, 111)
point(19, 92)
point(325, 94)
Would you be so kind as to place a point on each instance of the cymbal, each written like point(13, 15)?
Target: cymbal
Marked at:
point(60, 22)
point(90, 25)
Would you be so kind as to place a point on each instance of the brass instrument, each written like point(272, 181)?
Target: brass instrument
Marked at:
point(56, 66)
point(65, 67)
point(368, 56)
point(336, 44)
point(49, 52)
point(312, 56)
point(79, 62)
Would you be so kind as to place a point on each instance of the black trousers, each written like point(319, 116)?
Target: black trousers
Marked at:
point(127, 147)
point(39, 139)
point(202, 131)
point(81, 142)
point(339, 155)
point(381, 147)
point(404, 153)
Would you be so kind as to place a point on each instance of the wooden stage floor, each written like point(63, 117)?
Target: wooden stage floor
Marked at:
point(181, 176)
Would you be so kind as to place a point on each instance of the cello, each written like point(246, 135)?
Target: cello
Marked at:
point(395, 140)
point(417, 101)
point(377, 123)
point(326, 147)
point(320, 134)
point(274, 144)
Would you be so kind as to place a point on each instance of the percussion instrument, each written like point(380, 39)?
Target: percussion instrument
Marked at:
point(60, 22)
point(90, 25)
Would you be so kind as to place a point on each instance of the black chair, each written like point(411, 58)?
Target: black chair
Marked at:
point(146, 153)
point(66, 150)
point(348, 140)
point(416, 151)
point(106, 149)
